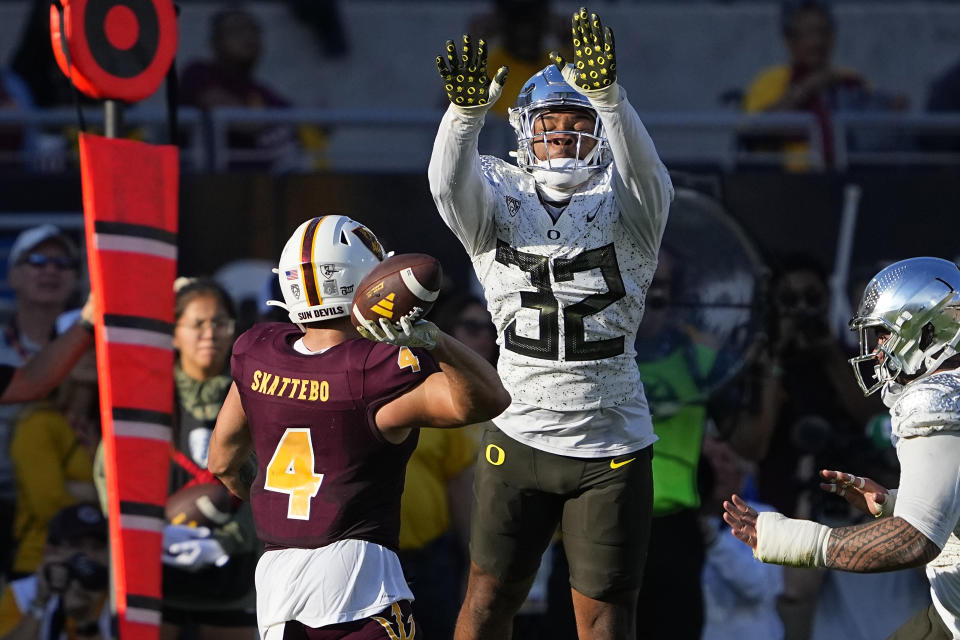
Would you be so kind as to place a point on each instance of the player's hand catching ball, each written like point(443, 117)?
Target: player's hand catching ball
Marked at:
point(419, 333)
point(594, 57)
point(464, 75)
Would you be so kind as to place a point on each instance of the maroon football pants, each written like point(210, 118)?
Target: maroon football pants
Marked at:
point(393, 623)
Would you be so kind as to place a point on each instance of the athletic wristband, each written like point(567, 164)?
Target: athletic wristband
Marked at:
point(886, 509)
point(793, 543)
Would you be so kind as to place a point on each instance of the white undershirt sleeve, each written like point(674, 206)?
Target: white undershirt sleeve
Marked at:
point(459, 190)
point(929, 494)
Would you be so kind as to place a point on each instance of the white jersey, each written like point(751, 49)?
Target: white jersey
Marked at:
point(925, 417)
point(566, 295)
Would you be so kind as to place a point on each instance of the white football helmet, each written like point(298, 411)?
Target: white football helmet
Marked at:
point(321, 265)
point(547, 90)
point(916, 302)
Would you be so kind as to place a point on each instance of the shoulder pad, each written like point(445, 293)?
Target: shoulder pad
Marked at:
point(928, 406)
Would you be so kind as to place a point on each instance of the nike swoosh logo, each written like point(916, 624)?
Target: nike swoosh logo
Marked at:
point(597, 211)
point(616, 465)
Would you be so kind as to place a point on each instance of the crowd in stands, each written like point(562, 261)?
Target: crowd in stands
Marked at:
point(519, 33)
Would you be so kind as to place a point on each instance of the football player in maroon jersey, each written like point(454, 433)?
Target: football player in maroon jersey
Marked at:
point(332, 419)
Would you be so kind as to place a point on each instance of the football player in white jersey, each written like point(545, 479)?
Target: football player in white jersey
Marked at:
point(565, 245)
point(909, 324)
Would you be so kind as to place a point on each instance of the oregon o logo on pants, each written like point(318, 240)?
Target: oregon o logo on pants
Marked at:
point(494, 450)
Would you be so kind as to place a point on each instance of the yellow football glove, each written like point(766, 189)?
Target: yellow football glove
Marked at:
point(594, 58)
point(465, 75)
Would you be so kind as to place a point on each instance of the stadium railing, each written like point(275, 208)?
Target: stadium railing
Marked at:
point(379, 140)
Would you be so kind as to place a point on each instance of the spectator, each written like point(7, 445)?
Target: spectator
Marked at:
point(740, 594)
point(52, 452)
point(820, 421)
point(810, 81)
point(823, 411)
point(466, 318)
point(66, 596)
point(42, 271)
point(228, 81)
point(211, 601)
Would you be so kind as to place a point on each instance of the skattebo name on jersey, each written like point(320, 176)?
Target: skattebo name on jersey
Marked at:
point(321, 313)
point(271, 384)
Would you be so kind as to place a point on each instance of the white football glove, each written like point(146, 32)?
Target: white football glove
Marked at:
point(420, 333)
point(191, 548)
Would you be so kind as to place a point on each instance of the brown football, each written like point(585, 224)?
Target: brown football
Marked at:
point(401, 284)
point(201, 505)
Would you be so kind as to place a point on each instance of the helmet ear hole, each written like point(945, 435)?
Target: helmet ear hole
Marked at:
point(927, 333)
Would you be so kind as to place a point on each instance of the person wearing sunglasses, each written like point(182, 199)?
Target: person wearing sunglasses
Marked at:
point(821, 420)
point(42, 272)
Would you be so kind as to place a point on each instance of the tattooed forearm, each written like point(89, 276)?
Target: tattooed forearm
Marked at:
point(882, 545)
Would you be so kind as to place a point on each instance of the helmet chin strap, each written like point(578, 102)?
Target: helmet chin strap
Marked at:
point(558, 173)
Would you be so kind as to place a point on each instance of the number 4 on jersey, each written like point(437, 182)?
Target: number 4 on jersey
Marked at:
point(407, 359)
point(291, 471)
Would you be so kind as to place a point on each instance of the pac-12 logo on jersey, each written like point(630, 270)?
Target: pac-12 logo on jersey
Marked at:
point(513, 205)
point(402, 630)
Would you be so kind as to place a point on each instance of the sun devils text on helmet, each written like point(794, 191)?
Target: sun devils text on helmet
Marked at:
point(321, 264)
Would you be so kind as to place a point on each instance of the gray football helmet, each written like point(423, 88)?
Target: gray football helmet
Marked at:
point(916, 302)
point(544, 91)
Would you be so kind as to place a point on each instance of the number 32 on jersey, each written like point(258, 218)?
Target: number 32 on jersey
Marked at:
point(291, 471)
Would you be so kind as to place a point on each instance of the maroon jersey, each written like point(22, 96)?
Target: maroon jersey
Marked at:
point(324, 470)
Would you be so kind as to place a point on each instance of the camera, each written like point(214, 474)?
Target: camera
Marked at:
point(91, 574)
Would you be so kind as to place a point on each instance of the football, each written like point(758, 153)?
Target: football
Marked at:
point(201, 505)
point(400, 285)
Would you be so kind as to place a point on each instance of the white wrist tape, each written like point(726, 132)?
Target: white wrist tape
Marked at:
point(886, 509)
point(794, 543)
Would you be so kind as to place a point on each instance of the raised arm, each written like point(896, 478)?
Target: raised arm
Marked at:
point(641, 183)
point(456, 183)
point(44, 371)
point(467, 389)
